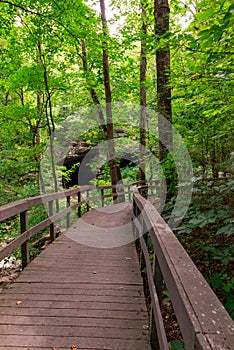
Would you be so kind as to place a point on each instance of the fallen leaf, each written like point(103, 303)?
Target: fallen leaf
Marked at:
point(54, 348)
point(18, 302)
point(107, 279)
point(73, 347)
point(94, 272)
point(145, 326)
point(127, 258)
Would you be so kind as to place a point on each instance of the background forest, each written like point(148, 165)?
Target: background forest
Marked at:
point(52, 67)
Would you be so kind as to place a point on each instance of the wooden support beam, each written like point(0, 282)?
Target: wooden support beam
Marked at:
point(51, 213)
point(69, 212)
point(24, 246)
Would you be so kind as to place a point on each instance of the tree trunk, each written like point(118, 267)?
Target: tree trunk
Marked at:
point(92, 91)
point(143, 65)
point(161, 15)
point(114, 167)
point(50, 121)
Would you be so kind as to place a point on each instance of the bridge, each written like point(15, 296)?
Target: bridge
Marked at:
point(85, 290)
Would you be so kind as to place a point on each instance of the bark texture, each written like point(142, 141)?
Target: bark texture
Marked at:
point(114, 167)
point(161, 14)
point(143, 66)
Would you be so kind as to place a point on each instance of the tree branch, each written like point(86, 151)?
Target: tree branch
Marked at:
point(22, 8)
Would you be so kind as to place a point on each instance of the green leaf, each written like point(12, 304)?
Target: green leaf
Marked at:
point(206, 14)
point(216, 281)
point(177, 345)
point(204, 34)
point(227, 230)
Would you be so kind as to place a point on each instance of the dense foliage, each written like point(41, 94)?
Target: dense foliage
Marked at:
point(46, 76)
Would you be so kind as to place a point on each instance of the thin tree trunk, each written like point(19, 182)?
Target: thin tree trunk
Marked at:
point(114, 167)
point(213, 158)
point(92, 91)
point(37, 138)
point(143, 65)
point(50, 121)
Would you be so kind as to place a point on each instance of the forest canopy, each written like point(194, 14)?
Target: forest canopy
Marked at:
point(59, 59)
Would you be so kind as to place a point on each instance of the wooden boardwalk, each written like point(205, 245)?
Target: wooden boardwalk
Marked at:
point(77, 295)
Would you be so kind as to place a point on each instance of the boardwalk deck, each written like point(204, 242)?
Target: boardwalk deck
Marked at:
point(74, 294)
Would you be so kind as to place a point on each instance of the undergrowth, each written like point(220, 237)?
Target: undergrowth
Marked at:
point(207, 234)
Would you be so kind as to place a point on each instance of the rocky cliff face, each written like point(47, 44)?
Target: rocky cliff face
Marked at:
point(83, 153)
point(75, 155)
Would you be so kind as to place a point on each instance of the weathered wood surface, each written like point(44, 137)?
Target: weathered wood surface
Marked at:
point(73, 294)
point(203, 321)
point(21, 207)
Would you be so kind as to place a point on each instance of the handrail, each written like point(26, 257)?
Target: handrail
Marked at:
point(21, 207)
point(203, 321)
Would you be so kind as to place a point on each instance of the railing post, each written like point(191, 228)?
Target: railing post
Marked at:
point(129, 193)
point(24, 246)
point(87, 203)
point(144, 235)
point(153, 332)
point(134, 214)
point(68, 214)
point(158, 279)
point(51, 213)
point(135, 218)
point(102, 195)
point(79, 200)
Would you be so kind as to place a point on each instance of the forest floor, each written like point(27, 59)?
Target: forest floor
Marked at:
point(9, 271)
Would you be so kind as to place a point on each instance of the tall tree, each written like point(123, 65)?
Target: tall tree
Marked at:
point(114, 167)
point(143, 65)
point(161, 15)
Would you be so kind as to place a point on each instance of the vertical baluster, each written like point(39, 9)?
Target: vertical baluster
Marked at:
point(134, 214)
point(24, 246)
point(158, 279)
point(51, 213)
point(79, 200)
point(69, 213)
point(87, 203)
point(129, 193)
point(102, 195)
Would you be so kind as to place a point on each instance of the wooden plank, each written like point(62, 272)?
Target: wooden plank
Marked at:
point(75, 288)
point(74, 331)
point(122, 300)
point(44, 348)
point(102, 264)
point(12, 209)
point(220, 341)
point(82, 277)
point(81, 313)
point(86, 343)
point(74, 321)
point(70, 304)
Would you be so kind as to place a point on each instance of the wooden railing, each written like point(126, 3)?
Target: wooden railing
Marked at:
point(81, 197)
point(203, 321)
